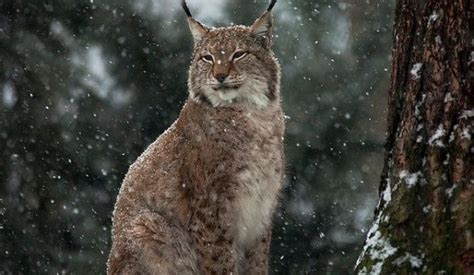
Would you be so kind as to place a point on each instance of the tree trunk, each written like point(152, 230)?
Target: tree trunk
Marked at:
point(424, 220)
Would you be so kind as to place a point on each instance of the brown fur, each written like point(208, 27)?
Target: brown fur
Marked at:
point(200, 199)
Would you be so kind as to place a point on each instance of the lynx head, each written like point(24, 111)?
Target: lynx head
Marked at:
point(234, 65)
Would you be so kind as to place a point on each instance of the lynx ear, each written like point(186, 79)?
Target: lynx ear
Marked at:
point(198, 30)
point(262, 27)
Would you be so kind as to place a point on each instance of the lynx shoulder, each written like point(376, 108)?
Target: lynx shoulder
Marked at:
point(200, 199)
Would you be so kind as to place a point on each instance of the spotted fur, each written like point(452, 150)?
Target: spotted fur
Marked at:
point(200, 199)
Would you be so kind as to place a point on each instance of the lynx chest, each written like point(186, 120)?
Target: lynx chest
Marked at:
point(259, 186)
point(246, 148)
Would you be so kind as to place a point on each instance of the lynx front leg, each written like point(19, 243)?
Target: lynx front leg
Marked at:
point(155, 246)
point(257, 258)
point(217, 258)
point(214, 244)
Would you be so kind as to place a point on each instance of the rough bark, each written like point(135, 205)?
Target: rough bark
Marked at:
point(424, 219)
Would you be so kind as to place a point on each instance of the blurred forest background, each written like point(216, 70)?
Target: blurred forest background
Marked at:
point(86, 85)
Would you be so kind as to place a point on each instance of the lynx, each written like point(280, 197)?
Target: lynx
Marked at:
point(200, 199)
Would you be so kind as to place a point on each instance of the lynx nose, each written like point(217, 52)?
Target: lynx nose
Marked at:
point(220, 77)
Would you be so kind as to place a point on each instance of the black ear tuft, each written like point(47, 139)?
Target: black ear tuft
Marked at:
point(272, 4)
point(186, 9)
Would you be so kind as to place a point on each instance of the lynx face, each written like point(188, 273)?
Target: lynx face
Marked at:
point(234, 65)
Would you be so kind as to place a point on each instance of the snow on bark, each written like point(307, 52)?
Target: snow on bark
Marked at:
point(410, 178)
point(415, 70)
point(435, 140)
point(376, 246)
point(422, 222)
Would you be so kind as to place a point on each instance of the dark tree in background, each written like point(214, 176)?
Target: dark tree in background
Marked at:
point(86, 85)
point(424, 220)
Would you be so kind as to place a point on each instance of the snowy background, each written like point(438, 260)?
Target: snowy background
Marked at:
point(86, 85)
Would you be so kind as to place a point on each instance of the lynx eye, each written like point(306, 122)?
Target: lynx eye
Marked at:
point(207, 58)
point(238, 55)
